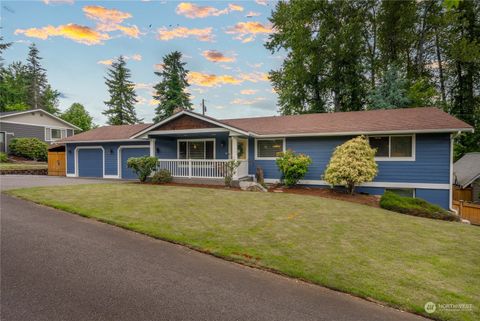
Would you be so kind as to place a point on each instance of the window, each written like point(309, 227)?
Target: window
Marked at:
point(196, 149)
point(269, 148)
point(52, 134)
point(393, 147)
point(405, 192)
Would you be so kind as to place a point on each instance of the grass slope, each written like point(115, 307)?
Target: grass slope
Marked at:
point(402, 260)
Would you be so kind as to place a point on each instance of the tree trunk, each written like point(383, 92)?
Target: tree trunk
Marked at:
point(351, 188)
point(440, 68)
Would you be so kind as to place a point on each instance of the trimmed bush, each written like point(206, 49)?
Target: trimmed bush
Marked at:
point(352, 163)
point(162, 176)
point(293, 166)
point(31, 148)
point(3, 158)
point(415, 207)
point(142, 166)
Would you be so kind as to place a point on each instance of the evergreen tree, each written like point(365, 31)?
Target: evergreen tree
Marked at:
point(50, 100)
point(77, 115)
point(14, 85)
point(37, 81)
point(121, 105)
point(391, 93)
point(171, 90)
point(3, 46)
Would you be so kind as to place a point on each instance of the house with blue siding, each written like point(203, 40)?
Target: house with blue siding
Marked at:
point(414, 147)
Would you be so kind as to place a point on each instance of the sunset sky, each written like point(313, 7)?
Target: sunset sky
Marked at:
point(222, 43)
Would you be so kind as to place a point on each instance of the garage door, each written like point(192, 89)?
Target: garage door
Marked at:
point(127, 173)
point(90, 162)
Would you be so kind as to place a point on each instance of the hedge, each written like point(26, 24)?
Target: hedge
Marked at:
point(31, 148)
point(415, 207)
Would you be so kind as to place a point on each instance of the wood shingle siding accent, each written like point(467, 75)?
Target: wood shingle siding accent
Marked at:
point(185, 122)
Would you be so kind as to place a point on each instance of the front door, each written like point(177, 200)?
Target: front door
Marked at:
point(242, 148)
point(3, 142)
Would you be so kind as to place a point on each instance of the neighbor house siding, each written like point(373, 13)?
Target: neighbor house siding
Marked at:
point(20, 130)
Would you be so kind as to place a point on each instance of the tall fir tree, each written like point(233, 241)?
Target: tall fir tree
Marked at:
point(3, 46)
point(121, 105)
point(37, 79)
point(171, 90)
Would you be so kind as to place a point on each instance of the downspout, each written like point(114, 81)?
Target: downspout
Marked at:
point(450, 201)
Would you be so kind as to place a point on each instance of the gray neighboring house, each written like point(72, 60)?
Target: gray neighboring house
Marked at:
point(466, 173)
point(33, 123)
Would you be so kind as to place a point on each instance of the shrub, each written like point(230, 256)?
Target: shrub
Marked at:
point(142, 166)
point(352, 163)
point(3, 158)
point(230, 169)
point(415, 207)
point(31, 148)
point(293, 166)
point(162, 176)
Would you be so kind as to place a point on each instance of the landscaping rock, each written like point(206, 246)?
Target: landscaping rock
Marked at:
point(251, 186)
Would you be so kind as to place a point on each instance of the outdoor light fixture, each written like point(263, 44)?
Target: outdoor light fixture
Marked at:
point(222, 143)
point(69, 151)
point(111, 150)
point(158, 150)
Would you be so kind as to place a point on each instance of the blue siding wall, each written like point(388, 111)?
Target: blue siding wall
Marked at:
point(435, 196)
point(432, 163)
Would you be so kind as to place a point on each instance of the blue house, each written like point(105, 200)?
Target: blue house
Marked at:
point(414, 147)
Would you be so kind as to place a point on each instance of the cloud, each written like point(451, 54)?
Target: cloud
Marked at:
point(211, 80)
point(246, 31)
point(262, 2)
point(110, 20)
point(254, 76)
point(107, 62)
point(235, 7)
point(241, 101)
point(136, 57)
point(78, 33)
point(158, 67)
point(183, 32)
point(248, 91)
point(192, 10)
point(216, 56)
point(59, 1)
point(251, 14)
point(258, 65)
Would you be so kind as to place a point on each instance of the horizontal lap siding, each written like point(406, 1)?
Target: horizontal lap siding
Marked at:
point(432, 163)
point(439, 197)
point(20, 130)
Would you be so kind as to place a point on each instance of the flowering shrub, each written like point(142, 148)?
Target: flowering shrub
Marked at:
point(352, 163)
point(293, 166)
point(142, 166)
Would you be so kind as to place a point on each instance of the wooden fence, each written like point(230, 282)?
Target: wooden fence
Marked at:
point(462, 194)
point(468, 211)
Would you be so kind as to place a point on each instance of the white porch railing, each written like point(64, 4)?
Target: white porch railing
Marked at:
point(201, 168)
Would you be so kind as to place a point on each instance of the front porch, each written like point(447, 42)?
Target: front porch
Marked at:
point(202, 168)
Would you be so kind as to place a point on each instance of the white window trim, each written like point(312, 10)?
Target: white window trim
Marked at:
point(198, 140)
point(284, 145)
point(63, 135)
point(397, 159)
point(120, 160)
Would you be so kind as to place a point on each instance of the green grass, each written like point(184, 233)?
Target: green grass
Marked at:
point(402, 260)
point(18, 166)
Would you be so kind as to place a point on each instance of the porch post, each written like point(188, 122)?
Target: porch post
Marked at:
point(152, 147)
point(234, 153)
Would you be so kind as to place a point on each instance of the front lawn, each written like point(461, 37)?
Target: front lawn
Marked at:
point(402, 260)
point(22, 166)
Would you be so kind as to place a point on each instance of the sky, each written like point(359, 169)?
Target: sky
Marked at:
point(222, 43)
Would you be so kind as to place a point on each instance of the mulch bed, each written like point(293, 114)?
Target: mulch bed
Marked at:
point(369, 200)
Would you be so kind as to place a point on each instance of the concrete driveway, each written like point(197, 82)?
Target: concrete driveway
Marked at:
point(60, 266)
point(19, 181)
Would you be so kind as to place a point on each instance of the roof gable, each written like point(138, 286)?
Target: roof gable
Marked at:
point(37, 117)
point(186, 121)
point(467, 169)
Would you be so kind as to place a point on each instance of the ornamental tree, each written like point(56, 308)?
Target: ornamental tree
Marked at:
point(352, 163)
